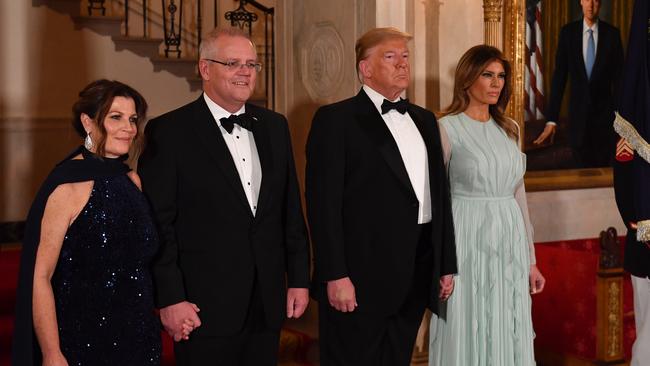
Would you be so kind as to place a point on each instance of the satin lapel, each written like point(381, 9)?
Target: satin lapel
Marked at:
point(265, 152)
point(209, 134)
point(374, 126)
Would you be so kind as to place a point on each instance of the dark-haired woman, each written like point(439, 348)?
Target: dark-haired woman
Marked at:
point(85, 292)
point(487, 320)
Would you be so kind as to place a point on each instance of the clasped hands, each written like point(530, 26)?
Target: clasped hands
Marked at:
point(180, 319)
point(342, 297)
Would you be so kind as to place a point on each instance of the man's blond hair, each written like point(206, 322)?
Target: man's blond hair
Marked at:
point(374, 37)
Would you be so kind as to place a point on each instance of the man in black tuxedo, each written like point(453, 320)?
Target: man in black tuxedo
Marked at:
point(220, 175)
point(632, 174)
point(590, 56)
point(379, 211)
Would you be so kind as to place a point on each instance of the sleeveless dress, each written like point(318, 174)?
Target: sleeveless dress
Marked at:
point(102, 284)
point(487, 320)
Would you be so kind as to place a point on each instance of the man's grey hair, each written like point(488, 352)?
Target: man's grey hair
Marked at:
point(208, 46)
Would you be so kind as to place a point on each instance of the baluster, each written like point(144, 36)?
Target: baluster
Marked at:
point(126, 18)
point(172, 39)
point(271, 65)
point(96, 5)
point(199, 29)
point(144, 18)
point(241, 17)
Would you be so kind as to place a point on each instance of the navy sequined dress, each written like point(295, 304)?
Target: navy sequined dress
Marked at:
point(102, 284)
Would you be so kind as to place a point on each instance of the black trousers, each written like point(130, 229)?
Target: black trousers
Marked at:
point(255, 345)
point(362, 339)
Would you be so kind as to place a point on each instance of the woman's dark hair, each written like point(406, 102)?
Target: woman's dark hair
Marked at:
point(96, 99)
point(469, 68)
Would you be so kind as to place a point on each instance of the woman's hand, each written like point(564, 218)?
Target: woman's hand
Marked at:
point(537, 281)
point(55, 359)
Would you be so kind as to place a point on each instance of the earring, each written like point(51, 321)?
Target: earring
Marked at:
point(88, 142)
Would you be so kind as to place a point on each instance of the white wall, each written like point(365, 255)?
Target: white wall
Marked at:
point(461, 27)
point(573, 214)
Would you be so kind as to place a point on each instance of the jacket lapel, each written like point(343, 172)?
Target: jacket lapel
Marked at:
point(600, 49)
point(577, 45)
point(374, 126)
point(209, 135)
point(265, 152)
point(430, 138)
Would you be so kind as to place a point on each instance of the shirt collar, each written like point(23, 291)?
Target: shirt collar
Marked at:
point(593, 27)
point(218, 112)
point(376, 98)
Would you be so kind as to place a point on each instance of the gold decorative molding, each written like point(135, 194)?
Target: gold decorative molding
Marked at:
point(492, 10)
point(609, 324)
point(613, 321)
point(514, 38)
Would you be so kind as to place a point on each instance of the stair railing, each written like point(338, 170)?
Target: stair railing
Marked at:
point(174, 35)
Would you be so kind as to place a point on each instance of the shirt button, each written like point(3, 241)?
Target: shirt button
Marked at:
point(249, 183)
point(237, 136)
point(244, 159)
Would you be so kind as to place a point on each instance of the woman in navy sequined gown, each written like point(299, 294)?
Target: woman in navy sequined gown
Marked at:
point(90, 237)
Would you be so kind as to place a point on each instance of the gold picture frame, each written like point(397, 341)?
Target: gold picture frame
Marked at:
point(514, 42)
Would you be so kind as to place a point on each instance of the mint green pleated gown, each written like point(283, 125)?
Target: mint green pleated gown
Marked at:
point(487, 320)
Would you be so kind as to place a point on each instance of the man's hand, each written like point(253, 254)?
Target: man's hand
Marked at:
point(549, 131)
point(446, 286)
point(341, 296)
point(537, 281)
point(179, 318)
point(297, 301)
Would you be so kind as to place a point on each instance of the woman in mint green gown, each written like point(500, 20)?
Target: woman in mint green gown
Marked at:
point(487, 319)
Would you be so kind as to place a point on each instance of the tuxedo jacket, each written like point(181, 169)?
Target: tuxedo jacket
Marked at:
point(592, 100)
point(212, 247)
point(362, 210)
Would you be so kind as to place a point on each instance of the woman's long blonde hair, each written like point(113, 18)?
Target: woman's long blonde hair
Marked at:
point(469, 68)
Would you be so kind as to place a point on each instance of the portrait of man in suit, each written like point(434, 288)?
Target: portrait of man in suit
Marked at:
point(220, 176)
point(589, 58)
point(379, 210)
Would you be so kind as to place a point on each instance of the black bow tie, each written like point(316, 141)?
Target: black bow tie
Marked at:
point(244, 120)
point(401, 106)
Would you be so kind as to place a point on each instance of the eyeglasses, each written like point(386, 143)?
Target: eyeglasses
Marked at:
point(236, 64)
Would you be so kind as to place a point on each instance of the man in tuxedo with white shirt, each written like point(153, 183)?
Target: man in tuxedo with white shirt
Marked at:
point(379, 210)
point(590, 56)
point(220, 176)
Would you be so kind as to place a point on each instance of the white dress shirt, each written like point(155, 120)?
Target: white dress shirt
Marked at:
point(412, 149)
point(585, 38)
point(243, 151)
